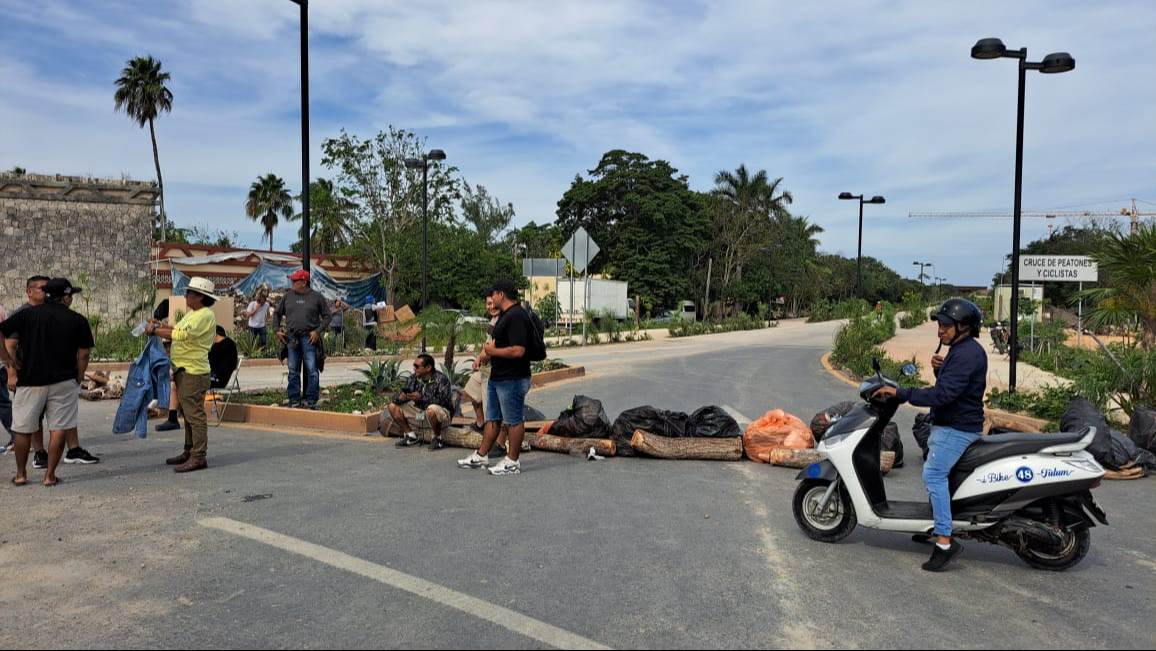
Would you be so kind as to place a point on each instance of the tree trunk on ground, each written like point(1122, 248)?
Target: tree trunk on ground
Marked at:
point(665, 447)
point(803, 457)
point(604, 447)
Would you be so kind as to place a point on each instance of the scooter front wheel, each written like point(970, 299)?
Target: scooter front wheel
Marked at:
point(831, 524)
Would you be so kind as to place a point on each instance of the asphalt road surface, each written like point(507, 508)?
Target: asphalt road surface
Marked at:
point(294, 539)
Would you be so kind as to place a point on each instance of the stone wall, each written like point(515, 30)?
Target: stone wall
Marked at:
point(95, 232)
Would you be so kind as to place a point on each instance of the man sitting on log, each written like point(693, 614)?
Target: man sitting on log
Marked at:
point(427, 393)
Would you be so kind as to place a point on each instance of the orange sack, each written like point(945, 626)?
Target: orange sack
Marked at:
point(776, 429)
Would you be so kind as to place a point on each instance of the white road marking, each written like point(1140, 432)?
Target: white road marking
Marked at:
point(516, 622)
point(742, 420)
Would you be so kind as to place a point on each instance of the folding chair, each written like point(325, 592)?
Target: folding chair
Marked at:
point(226, 392)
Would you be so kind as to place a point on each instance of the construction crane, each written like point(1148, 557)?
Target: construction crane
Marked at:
point(1133, 214)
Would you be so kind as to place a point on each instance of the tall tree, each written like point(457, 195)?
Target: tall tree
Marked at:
point(485, 213)
point(388, 196)
point(331, 217)
point(141, 93)
point(796, 261)
point(744, 216)
point(268, 201)
point(650, 226)
point(1128, 263)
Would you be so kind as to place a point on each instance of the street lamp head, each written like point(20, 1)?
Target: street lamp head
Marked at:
point(847, 195)
point(435, 154)
point(988, 48)
point(413, 163)
point(1057, 62)
point(877, 199)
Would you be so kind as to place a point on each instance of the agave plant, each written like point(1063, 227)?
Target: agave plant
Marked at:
point(384, 375)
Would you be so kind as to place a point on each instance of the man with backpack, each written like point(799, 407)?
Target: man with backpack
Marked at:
point(516, 341)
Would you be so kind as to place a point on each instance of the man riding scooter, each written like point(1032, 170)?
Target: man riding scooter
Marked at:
point(956, 402)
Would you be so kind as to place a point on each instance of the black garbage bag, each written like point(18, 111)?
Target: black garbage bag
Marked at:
point(648, 419)
point(585, 418)
point(825, 418)
point(1082, 413)
point(529, 413)
point(1142, 431)
point(921, 430)
point(1125, 449)
point(892, 442)
point(713, 422)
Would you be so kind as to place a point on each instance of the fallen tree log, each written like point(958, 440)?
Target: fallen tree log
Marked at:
point(803, 457)
point(603, 447)
point(667, 447)
point(1012, 422)
point(459, 437)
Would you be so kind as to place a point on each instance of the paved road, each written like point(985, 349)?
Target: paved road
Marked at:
point(294, 540)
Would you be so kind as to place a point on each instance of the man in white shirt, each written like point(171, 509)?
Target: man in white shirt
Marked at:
point(258, 313)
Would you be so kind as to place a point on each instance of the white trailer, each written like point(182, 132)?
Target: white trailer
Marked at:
point(592, 295)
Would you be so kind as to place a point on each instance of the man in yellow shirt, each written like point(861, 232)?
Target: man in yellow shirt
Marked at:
point(192, 337)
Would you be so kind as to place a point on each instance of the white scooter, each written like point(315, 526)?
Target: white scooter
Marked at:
point(1030, 493)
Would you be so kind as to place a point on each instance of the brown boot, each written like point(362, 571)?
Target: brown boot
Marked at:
point(179, 459)
point(194, 463)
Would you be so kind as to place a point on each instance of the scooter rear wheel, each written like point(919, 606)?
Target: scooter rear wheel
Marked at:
point(1076, 545)
point(834, 522)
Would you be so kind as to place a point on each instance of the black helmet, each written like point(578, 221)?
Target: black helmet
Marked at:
point(959, 311)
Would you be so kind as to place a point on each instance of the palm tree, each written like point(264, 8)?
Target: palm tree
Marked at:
point(268, 199)
point(1126, 262)
point(141, 93)
point(743, 219)
point(331, 217)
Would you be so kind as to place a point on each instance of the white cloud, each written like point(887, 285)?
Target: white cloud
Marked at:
point(875, 97)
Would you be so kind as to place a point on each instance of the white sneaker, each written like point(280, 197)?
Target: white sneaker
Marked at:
point(506, 466)
point(475, 460)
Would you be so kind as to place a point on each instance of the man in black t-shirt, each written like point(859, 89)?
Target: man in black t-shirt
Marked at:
point(55, 343)
point(509, 381)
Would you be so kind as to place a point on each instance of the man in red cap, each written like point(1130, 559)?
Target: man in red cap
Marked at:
point(306, 315)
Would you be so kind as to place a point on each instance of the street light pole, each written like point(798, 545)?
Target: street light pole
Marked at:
point(1057, 62)
point(304, 4)
point(921, 266)
point(859, 255)
point(423, 163)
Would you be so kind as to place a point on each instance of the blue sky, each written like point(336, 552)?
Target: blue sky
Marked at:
point(871, 97)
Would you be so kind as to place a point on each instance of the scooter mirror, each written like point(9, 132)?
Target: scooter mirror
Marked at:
point(909, 370)
point(875, 364)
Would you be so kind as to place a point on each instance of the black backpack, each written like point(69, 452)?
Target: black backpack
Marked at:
point(536, 341)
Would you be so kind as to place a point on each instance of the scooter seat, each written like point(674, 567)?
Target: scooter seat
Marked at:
point(998, 446)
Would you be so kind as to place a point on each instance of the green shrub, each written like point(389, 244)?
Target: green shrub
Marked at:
point(729, 324)
point(1049, 403)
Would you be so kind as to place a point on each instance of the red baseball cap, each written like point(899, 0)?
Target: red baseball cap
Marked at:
point(300, 274)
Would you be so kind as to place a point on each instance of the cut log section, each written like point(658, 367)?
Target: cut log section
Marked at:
point(666, 447)
point(603, 447)
point(801, 458)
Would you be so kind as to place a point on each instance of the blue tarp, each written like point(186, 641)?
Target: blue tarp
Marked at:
point(275, 275)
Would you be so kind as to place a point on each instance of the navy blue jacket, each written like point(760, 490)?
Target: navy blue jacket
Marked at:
point(956, 400)
point(148, 378)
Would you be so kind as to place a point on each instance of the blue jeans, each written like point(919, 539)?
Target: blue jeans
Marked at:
point(944, 448)
point(5, 404)
point(301, 352)
point(506, 400)
point(259, 334)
